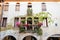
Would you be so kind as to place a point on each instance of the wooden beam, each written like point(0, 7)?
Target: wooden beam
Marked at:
point(32, 0)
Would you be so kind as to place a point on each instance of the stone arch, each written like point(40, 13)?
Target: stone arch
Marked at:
point(9, 37)
point(54, 37)
point(30, 36)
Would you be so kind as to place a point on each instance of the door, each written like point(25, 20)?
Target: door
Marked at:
point(9, 38)
point(29, 38)
point(29, 21)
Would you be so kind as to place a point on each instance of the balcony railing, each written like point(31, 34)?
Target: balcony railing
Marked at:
point(30, 28)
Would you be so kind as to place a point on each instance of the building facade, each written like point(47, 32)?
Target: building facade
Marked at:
point(24, 12)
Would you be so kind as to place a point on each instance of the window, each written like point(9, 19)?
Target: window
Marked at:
point(5, 7)
point(35, 20)
point(29, 5)
point(1, 1)
point(43, 7)
point(16, 20)
point(4, 22)
point(0, 9)
point(17, 7)
point(29, 10)
point(23, 20)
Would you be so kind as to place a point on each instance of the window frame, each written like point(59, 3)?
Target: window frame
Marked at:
point(5, 6)
point(16, 19)
point(17, 7)
point(43, 6)
point(4, 22)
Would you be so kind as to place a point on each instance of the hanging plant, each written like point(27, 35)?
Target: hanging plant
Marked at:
point(18, 24)
point(39, 31)
point(21, 29)
point(26, 25)
point(40, 24)
point(23, 21)
point(44, 15)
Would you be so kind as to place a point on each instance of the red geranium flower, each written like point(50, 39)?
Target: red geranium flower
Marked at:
point(40, 24)
point(26, 25)
point(18, 24)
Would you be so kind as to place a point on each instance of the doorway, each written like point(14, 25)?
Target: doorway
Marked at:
point(29, 21)
point(9, 37)
point(29, 38)
point(53, 38)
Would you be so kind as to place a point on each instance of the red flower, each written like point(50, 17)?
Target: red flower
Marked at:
point(26, 25)
point(33, 24)
point(40, 24)
point(18, 24)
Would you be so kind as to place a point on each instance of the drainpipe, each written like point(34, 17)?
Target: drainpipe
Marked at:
point(1, 17)
point(46, 22)
point(1, 14)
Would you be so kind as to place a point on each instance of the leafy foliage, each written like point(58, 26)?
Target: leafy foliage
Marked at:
point(38, 31)
point(43, 15)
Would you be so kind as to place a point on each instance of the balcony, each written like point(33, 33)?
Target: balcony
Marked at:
point(24, 29)
point(30, 29)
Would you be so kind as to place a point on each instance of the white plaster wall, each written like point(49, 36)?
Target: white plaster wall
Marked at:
point(52, 7)
point(17, 35)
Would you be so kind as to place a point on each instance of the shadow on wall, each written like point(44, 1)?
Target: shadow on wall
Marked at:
point(9, 37)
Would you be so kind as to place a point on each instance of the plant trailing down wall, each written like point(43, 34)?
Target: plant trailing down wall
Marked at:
point(44, 16)
point(38, 29)
point(21, 28)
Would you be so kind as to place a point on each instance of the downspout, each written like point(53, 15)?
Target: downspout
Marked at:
point(1, 17)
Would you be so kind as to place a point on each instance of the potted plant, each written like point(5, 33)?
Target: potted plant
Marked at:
point(40, 24)
point(38, 29)
point(23, 21)
point(21, 29)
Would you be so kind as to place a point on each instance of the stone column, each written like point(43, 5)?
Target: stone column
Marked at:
point(41, 37)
